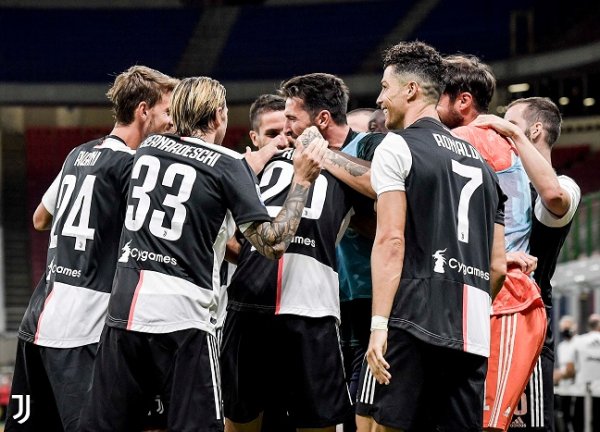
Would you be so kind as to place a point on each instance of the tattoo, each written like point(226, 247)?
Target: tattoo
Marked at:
point(271, 239)
point(346, 164)
point(308, 136)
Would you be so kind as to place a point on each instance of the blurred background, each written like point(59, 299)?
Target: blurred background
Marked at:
point(58, 58)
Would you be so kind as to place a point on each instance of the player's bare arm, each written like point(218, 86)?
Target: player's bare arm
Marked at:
point(271, 239)
point(356, 173)
point(540, 172)
point(232, 250)
point(498, 261)
point(386, 267)
point(42, 218)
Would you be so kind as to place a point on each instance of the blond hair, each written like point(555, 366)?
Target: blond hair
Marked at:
point(137, 84)
point(194, 104)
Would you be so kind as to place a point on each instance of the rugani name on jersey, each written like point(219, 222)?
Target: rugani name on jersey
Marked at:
point(85, 158)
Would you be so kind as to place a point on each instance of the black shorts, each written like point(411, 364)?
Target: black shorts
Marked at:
point(295, 359)
point(535, 411)
point(56, 381)
point(431, 387)
point(354, 333)
point(132, 368)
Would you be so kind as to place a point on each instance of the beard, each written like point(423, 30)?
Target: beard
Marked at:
point(452, 119)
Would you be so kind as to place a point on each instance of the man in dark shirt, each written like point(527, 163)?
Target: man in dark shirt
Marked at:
point(320, 100)
point(534, 126)
point(184, 197)
point(61, 328)
point(437, 260)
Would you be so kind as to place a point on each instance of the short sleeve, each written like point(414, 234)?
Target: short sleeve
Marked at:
point(549, 219)
point(499, 218)
point(51, 195)
point(241, 193)
point(391, 165)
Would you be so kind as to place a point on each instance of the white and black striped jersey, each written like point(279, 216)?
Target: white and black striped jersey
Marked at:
point(453, 202)
point(184, 197)
point(68, 309)
point(304, 281)
point(548, 234)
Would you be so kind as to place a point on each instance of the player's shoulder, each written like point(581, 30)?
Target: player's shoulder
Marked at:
point(98, 152)
point(225, 152)
point(497, 151)
point(114, 144)
point(372, 138)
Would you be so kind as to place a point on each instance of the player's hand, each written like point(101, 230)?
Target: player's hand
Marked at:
point(308, 136)
point(377, 364)
point(500, 125)
point(280, 141)
point(309, 161)
point(259, 158)
point(527, 263)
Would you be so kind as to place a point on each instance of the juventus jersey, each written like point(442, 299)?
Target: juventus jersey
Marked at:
point(68, 308)
point(184, 197)
point(453, 201)
point(304, 281)
point(548, 235)
point(501, 155)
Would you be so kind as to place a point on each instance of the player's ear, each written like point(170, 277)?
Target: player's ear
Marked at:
point(411, 89)
point(141, 110)
point(218, 118)
point(323, 119)
point(254, 138)
point(466, 100)
point(535, 130)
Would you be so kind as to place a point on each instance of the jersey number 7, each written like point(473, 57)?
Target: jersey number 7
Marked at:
point(475, 180)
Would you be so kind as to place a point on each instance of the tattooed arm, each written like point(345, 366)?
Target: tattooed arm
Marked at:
point(356, 173)
point(271, 239)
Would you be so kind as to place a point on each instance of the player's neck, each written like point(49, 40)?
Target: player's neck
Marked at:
point(129, 134)
point(418, 112)
point(545, 151)
point(469, 117)
point(336, 135)
point(209, 137)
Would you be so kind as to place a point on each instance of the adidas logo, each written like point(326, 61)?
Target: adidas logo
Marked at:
point(517, 423)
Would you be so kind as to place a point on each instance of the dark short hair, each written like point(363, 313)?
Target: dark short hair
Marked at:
point(543, 110)
point(137, 84)
point(319, 91)
point(466, 73)
point(263, 104)
point(421, 60)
